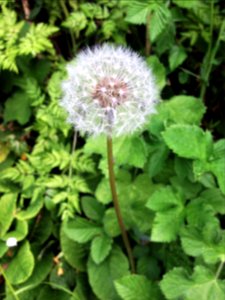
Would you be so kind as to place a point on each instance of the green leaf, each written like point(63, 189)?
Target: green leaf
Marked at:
point(185, 109)
point(158, 70)
point(188, 141)
point(100, 248)
point(102, 276)
point(81, 230)
point(110, 223)
point(92, 209)
point(19, 232)
point(207, 241)
point(8, 208)
point(103, 193)
point(42, 268)
point(177, 57)
point(17, 108)
point(169, 217)
point(157, 158)
point(75, 253)
point(137, 12)
point(34, 207)
point(133, 287)
point(23, 263)
point(201, 285)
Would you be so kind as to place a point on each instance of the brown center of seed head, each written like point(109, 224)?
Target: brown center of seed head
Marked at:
point(110, 92)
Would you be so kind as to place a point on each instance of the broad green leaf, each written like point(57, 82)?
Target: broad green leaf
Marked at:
point(137, 12)
point(92, 209)
point(17, 108)
point(157, 158)
point(42, 268)
point(177, 57)
point(7, 211)
point(133, 287)
point(207, 241)
point(74, 252)
point(160, 20)
point(103, 193)
point(20, 231)
point(188, 141)
point(81, 230)
point(185, 109)
point(110, 223)
point(100, 248)
point(23, 263)
point(102, 276)
point(56, 293)
point(35, 205)
point(202, 285)
point(169, 216)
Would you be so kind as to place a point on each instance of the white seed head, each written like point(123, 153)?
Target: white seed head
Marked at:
point(108, 90)
point(11, 242)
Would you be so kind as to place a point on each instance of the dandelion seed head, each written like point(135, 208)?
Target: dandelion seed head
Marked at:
point(108, 90)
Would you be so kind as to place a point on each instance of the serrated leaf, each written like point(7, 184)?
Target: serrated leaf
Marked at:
point(177, 57)
point(8, 207)
point(23, 262)
point(201, 285)
point(100, 248)
point(208, 242)
point(185, 109)
point(102, 276)
point(81, 230)
point(188, 141)
point(137, 12)
point(133, 287)
point(169, 217)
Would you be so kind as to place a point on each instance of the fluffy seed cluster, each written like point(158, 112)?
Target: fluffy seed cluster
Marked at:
point(108, 90)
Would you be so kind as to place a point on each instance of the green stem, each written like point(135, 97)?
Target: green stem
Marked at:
point(116, 204)
point(147, 37)
point(8, 283)
point(219, 270)
point(208, 60)
point(66, 13)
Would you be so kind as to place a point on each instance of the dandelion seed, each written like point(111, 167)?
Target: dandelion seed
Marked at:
point(11, 242)
point(109, 90)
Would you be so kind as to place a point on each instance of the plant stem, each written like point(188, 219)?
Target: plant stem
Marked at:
point(116, 203)
point(219, 270)
point(147, 36)
point(66, 13)
point(8, 283)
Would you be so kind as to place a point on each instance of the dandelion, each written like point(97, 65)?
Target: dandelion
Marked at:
point(109, 90)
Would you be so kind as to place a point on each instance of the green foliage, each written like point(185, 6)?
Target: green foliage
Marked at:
point(56, 200)
point(201, 285)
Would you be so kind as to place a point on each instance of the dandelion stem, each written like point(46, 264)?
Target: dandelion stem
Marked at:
point(116, 204)
point(147, 37)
